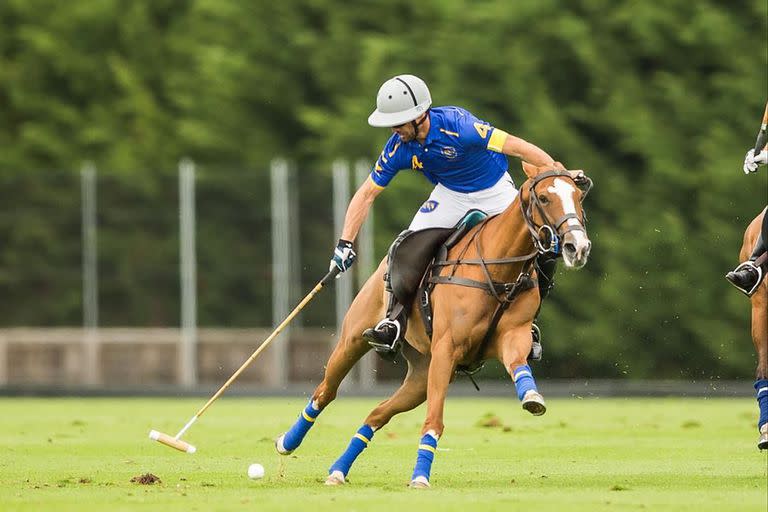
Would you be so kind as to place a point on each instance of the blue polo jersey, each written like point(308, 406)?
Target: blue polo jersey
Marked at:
point(461, 152)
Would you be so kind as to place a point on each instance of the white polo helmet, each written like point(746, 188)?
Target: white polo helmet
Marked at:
point(400, 99)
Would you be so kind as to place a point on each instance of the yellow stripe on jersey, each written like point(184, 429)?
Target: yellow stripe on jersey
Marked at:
point(449, 133)
point(496, 142)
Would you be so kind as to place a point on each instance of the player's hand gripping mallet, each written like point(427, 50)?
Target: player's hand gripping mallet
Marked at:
point(181, 445)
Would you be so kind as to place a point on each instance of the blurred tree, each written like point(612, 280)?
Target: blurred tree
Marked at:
point(657, 101)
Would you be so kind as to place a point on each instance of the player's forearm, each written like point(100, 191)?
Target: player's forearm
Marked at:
point(357, 211)
point(524, 150)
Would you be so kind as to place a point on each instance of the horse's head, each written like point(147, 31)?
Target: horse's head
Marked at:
point(551, 204)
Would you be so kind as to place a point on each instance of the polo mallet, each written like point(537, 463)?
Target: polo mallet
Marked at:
point(762, 135)
point(181, 445)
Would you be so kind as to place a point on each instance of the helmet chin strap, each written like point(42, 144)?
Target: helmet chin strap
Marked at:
point(416, 125)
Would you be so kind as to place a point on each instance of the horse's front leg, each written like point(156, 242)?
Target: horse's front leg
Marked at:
point(760, 339)
point(515, 345)
point(441, 370)
point(348, 351)
point(409, 395)
point(363, 312)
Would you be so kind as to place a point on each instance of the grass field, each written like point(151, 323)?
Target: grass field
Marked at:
point(583, 455)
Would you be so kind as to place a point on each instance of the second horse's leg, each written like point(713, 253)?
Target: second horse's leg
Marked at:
point(411, 393)
point(760, 339)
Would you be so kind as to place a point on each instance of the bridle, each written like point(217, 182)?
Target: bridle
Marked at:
point(547, 236)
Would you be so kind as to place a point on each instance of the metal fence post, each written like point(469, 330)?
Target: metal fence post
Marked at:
point(91, 372)
point(366, 267)
point(343, 285)
point(281, 262)
point(187, 358)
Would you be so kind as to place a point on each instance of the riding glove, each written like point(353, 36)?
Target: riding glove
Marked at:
point(751, 162)
point(343, 256)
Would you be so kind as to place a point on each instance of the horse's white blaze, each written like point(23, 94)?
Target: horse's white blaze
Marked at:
point(565, 191)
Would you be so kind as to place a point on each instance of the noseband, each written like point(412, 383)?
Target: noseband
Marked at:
point(547, 236)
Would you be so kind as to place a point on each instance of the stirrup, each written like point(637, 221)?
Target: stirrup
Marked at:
point(388, 351)
point(749, 264)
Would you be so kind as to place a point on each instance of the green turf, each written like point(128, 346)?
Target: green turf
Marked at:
point(583, 455)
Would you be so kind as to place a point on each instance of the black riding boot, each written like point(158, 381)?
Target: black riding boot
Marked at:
point(748, 275)
point(386, 337)
point(546, 264)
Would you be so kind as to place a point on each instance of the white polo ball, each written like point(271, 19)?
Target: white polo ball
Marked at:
point(255, 471)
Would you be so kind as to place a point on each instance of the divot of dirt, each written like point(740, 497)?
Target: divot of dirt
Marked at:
point(146, 479)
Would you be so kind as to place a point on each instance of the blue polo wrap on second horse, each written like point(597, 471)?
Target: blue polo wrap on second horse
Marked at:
point(761, 387)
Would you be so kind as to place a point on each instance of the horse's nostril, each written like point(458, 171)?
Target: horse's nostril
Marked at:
point(569, 247)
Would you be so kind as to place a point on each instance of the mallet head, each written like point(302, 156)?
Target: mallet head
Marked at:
point(171, 441)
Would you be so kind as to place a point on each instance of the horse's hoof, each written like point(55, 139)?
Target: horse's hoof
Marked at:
point(533, 402)
point(335, 478)
point(419, 482)
point(762, 443)
point(279, 446)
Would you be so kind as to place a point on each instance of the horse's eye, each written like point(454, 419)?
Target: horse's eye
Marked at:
point(543, 199)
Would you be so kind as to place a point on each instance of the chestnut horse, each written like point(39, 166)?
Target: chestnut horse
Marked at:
point(501, 250)
point(759, 301)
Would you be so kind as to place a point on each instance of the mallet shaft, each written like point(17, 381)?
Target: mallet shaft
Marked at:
point(261, 347)
point(176, 442)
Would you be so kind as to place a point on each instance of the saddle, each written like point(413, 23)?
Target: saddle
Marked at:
point(413, 252)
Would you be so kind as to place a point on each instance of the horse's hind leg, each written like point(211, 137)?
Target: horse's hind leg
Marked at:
point(363, 312)
point(411, 393)
point(760, 339)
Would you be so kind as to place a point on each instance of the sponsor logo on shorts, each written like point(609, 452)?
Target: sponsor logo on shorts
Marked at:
point(428, 206)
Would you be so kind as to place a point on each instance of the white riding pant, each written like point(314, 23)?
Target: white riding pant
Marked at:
point(445, 207)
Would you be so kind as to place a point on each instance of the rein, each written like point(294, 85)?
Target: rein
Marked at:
point(551, 230)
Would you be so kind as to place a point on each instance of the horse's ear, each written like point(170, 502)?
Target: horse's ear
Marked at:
point(530, 170)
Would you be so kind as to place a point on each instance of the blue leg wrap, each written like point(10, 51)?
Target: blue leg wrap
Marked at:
point(425, 456)
point(761, 386)
point(523, 378)
point(356, 446)
point(295, 435)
